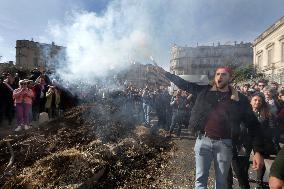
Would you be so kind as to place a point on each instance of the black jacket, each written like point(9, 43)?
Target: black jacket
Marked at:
point(238, 109)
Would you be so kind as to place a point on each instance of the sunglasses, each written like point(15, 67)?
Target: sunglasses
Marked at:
point(23, 84)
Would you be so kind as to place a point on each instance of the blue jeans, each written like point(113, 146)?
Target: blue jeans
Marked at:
point(208, 150)
point(177, 118)
point(146, 110)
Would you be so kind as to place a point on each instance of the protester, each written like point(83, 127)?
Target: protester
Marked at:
point(276, 179)
point(254, 87)
point(274, 85)
point(52, 102)
point(179, 104)
point(30, 86)
point(23, 100)
point(269, 132)
point(138, 105)
point(130, 95)
point(8, 105)
point(186, 117)
point(40, 88)
point(261, 85)
point(246, 90)
point(146, 98)
point(280, 116)
point(271, 100)
point(162, 106)
point(216, 115)
point(2, 101)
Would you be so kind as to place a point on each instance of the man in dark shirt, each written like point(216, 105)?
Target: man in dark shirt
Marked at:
point(8, 105)
point(216, 116)
point(276, 179)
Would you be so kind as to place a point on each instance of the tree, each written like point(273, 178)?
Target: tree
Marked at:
point(246, 72)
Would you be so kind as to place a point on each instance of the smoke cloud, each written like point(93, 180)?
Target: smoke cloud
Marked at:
point(126, 31)
point(134, 30)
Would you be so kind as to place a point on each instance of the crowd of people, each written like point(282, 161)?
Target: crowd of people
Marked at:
point(227, 121)
point(243, 118)
point(24, 99)
point(230, 123)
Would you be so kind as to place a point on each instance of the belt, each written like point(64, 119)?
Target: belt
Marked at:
point(213, 137)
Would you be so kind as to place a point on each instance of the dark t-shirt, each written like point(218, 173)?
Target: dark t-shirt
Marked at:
point(277, 168)
point(217, 122)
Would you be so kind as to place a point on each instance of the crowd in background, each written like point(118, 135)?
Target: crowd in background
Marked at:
point(26, 98)
point(177, 106)
point(173, 113)
point(273, 96)
point(267, 102)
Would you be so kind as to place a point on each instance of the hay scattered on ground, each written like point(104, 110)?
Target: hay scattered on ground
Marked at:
point(86, 149)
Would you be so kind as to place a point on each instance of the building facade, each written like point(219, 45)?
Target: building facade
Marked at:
point(268, 52)
point(30, 55)
point(140, 75)
point(203, 60)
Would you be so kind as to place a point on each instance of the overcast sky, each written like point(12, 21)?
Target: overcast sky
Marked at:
point(161, 23)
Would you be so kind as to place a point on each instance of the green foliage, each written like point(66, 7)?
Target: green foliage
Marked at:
point(245, 72)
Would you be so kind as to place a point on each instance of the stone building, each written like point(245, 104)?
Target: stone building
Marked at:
point(31, 54)
point(268, 52)
point(203, 60)
point(141, 75)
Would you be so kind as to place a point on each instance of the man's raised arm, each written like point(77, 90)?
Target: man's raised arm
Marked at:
point(190, 87)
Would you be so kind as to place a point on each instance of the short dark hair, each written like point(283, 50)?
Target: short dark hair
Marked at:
point(281, 92)
point(274, 82)
point(262, 81)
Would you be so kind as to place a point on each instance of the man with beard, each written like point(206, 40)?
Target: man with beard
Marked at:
point(216, 116)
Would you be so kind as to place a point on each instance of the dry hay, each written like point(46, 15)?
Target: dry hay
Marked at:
point(67, 169)
point(68, 152)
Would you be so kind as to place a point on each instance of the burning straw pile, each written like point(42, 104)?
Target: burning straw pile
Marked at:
point(92, 146)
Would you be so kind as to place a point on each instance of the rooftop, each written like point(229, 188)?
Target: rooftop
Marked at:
point(269, 30)
point(214, 45)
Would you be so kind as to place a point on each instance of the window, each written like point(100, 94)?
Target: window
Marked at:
point(269, 56)
point(259, 60)
point(282, 51)
point(35, 60)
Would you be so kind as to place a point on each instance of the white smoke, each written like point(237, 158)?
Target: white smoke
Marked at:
point(128, 30)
